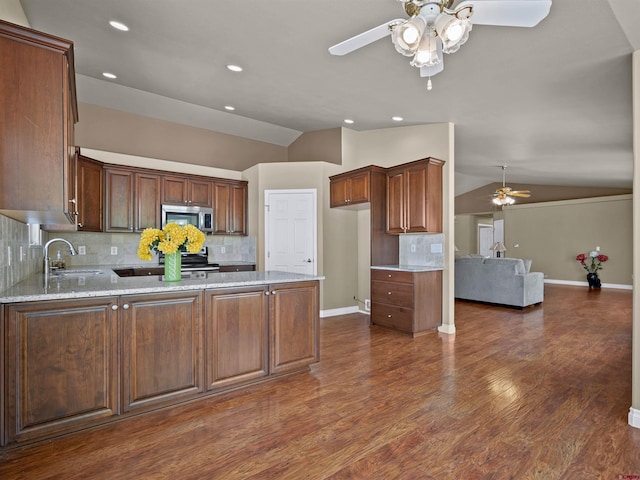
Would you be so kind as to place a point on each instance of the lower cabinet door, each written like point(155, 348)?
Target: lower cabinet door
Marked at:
point(294, 326)
point(161, 349)
point(62, 366)
point(236, 340)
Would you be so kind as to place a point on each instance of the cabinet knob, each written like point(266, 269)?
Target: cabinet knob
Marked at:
point(125, 306)
point(389, 275)
point(80, 225)
point(389, 316)
point(388, 293)
point(273, 292)
point(267, 293)
point(73, 201)
point(114, 307)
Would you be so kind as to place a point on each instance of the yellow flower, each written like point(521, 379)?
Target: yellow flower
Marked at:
point(171, 239)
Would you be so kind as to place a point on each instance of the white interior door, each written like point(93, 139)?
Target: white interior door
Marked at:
point(290, 230)
point(485, 240)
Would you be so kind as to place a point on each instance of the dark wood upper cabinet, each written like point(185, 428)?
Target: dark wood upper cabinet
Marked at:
point(183, 190)
point(119, 199)
point(350, 188)
point(147, 201)
point(132, 199)
point(230, 207)
point(414, 197)
point(39, 110)
point(90, 194)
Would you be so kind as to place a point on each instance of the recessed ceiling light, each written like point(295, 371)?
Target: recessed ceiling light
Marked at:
point(397, 119)
point(109, 75)
point(234, 68)
point(119, 26)
point(229, 107)
point(348, 120)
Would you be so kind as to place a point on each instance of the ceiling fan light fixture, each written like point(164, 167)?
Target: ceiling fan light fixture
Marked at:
point(427, 54)
point(406, 35)
point(453, 31)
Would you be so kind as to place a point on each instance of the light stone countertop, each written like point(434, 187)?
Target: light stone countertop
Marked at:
point(108, 284)
point(407, 268)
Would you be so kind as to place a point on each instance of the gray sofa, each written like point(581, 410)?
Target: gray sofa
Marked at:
point(504, 281)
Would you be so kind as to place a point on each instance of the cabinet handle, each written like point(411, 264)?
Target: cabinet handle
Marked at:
point(114, 307)
point(267, 293)
point(273, 292)
point(125, 306)
point(80, 225)
point(73, 201)
point(389, 275)
point(389, 316)
point(388, 293)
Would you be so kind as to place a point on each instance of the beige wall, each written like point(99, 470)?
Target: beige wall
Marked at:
point(321, 145)
point(110, 130)
point(553, 233)
point(11, 11)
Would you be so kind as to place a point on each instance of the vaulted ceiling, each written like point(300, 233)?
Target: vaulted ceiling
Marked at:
point(552, 102)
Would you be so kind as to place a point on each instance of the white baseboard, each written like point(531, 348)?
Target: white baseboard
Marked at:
point(339, 311)
point(585, 284)
point(634, 417)
point(447, 328)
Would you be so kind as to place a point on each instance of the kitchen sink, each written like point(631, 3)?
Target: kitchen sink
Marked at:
point(139, 272)
point(76, 271)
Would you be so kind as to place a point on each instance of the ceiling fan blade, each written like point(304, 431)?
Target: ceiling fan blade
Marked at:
point(363, 39)
point(435, 69)
point(518, 194)
point(507, 13)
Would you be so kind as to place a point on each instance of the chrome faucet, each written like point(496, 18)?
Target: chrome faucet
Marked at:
point(47, 260)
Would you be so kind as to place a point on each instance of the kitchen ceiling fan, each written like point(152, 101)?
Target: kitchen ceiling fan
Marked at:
point(504, 196)
point(435, 27)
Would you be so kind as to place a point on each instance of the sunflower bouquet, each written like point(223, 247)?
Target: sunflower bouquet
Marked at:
point(171, 239)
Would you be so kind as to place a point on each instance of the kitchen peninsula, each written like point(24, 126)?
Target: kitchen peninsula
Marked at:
point(93, 347)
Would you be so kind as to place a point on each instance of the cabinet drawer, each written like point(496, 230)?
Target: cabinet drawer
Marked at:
point(392, 293)
point(392, 276)
point(391, 316)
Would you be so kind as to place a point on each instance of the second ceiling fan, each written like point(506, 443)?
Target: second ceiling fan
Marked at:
point(435, 27)
point(504, 195)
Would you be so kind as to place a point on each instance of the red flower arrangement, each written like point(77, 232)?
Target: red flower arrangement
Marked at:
point(596, 261)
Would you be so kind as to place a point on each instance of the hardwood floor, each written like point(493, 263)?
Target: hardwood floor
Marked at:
point(541, 393)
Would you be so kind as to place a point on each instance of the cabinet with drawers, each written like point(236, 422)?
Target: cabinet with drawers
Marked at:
point(407, 301)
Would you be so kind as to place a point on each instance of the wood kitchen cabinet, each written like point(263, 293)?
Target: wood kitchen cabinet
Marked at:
point(238, 268)
point(407, 301)
point(90, 194)
point(230, 207)
point(414, 197)
point(293, 324)
point(236, 329)
point(183, 190)
point(62, 366)
point(77, 363)
point(161, 349)
point(350, 188)
point(132, 199)
point(39, 110)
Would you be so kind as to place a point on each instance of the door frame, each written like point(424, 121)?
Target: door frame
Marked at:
point(313, 223)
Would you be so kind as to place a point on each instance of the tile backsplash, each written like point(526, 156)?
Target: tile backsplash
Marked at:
point(425, 250)
point(17, 260)
point(14, 241)
point(98, 247)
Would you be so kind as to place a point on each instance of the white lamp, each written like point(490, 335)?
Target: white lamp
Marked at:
point(498, 247)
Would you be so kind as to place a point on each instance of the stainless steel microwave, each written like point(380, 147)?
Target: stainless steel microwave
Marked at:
point(201, 217)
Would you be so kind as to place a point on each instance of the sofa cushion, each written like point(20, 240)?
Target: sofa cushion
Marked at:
point(516, 263)
point(471, 260)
